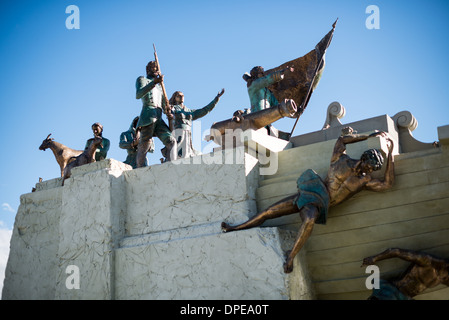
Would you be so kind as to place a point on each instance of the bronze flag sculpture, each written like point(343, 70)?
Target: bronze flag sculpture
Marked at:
point(292, 84)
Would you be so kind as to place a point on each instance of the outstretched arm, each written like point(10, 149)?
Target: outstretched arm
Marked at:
point(199, 113)
point(388, 180)
point(340, 145)
point(419, 258)
point(267, 80)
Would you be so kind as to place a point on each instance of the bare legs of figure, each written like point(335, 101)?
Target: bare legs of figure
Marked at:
point(308, 216)
point(284, 207)
point(281, 208)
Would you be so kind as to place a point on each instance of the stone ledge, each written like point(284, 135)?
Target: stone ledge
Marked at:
point(171, 235)
point(109, 164)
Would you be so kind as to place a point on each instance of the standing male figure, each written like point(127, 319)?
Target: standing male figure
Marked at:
point(345, 178)
point(150, 123)
point(102, 150)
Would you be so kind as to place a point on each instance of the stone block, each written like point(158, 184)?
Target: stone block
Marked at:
point(233, 266)
point(177, 195)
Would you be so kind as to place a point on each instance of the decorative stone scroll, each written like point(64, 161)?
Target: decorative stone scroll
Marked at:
point(405, 123)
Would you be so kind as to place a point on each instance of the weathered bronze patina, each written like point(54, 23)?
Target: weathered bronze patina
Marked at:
point(345, 178)
point(150, 123)
point(294, 80)
point(425, 271)
point(129, 140)
point(254, 120)
point(88, 156)
point(303, 80)
point(63, 154)
point(101, 152)
point(183, 118)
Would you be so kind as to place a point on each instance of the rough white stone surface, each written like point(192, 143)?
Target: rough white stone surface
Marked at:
point(238, 265)
point(176, 195)
point(32, 263)
point(150, 233)
point(91, 223)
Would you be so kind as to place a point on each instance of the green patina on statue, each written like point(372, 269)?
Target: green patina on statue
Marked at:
point(102, 151)
point(183, 118)
point(129, 140)
point(150, 123)
point(260, 96)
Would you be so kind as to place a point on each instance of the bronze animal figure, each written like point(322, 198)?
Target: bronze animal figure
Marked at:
point(63, 154)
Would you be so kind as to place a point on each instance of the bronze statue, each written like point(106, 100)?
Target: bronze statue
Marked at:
point(292, 84)
point(100, 153)
point(255, 120)
point(258, 81)
point(63, 154)
point(183, 118)
point(129, 140)
point(345, 178)
point(425, 271)
point(88, 156)
point(261, 97)
point(150, 123)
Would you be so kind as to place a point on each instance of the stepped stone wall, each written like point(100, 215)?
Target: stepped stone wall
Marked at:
point(154, 232)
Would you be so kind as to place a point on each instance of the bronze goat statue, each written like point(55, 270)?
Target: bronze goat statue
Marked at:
point(63, 154)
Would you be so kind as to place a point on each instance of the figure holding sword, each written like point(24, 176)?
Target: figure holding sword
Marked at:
point(151, 91)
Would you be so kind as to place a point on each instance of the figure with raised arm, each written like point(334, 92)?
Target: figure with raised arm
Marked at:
point(150, 123)
point(425, 271)
point(260, 96)
point(345, 177)
point(183, 118)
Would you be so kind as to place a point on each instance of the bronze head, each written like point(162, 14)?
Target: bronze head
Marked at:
point(177, 98)
point(372, 159)
point(46, 143)
point(256, 72)
point(152, 69)
point(97, 129)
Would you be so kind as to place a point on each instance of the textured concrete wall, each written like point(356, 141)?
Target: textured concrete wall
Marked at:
point(154, 233)
point(151, 233)
point(238, 265)
point(33, 261)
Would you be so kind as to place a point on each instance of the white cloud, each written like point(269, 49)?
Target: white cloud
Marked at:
point(5, 238)
point(7, 207)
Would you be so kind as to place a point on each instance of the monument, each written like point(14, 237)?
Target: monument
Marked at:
point(116, 231)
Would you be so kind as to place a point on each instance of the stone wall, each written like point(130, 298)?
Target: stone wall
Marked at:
point(151, 233)
point(154, 233)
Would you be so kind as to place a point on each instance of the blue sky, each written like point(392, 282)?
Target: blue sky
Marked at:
point(60, 81)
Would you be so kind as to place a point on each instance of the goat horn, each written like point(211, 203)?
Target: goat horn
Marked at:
point(49, 136)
